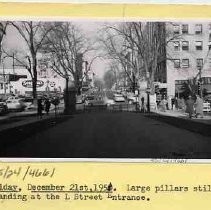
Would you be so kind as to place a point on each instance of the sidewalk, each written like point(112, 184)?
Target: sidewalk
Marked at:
point(20, 124)
point(181, 120)
point(17, 131)
point(183, 115)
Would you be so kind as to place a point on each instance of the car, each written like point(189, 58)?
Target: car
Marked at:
point(31, 107)
point(119, 98)
point(13, 97)
point(15, 104)
point(206, 107)
point(89, 101)
point(3, 108)
point(109, 102)
point(207, 98)
point(132, 99)
point(79, 99)
point(27, 101)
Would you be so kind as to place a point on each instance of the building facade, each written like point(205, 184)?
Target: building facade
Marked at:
point(188, 55)
point(46, 82)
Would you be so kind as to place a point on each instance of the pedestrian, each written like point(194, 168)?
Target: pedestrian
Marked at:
point(176, 103)
point(190, 106)
point(169, 105)
point(199, 107)
point(47, 106)
point(39, 108)
point(163, 104)
point(182, 104)
point(172, 103)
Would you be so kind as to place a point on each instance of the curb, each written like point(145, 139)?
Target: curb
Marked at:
point(187, 124)
point(18, 133)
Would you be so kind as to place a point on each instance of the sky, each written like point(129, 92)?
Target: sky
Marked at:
point(90, 29)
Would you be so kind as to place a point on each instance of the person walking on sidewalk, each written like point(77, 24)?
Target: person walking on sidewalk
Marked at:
point(199, 107)
point(39, 108)
point(163, 104)
point(47, 106)
point(190, 106)
point(176, 103)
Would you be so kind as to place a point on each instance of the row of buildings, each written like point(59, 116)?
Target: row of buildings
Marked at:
point(188, 56)
point(177, 53)
point(18, 81)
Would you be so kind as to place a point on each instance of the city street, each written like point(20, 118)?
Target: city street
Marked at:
point(105, 89)
point(112, 135)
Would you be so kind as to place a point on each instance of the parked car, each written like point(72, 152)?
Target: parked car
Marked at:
point(3, 108)
point(119, 98)
point(132, 99)
point(89, 101)
point(207, 98)
point(206, 107)
point(13, 97)
point(79, 99)
point(28, 102)
point(15, 105)
point(109, 102)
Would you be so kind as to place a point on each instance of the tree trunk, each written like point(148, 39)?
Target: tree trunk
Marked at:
point(34, 88)
point(34, 79)
point(66, 97)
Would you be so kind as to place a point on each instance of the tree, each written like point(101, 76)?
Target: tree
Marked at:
point(109, 79)
point(139, 47)
point(66, 46)
point(3, 26)
point(34, 34)
point(190, 87)
point(114, 44)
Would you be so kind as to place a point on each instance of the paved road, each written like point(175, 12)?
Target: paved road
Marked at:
point(110, 135)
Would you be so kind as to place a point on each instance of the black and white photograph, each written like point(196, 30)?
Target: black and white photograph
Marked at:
point(105, 89)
